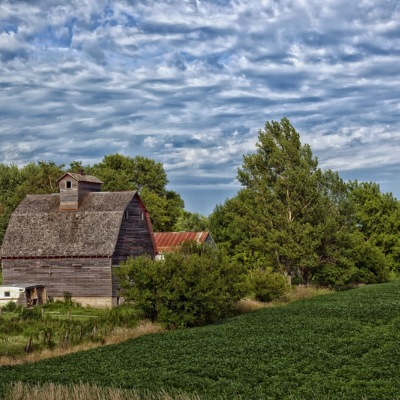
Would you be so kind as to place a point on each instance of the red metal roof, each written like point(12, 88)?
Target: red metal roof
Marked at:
point(168, 241)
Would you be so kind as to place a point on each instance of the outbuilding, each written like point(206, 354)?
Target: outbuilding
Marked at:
point(167, 242)
point(24, 294)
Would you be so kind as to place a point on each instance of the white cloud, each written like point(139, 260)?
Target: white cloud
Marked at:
point(189, 83)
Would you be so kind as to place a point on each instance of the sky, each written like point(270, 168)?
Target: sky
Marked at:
point(190, 83)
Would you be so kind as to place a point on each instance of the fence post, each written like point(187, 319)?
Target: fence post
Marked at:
point(28, 347)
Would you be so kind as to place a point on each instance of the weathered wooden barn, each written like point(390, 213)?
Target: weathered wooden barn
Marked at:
point(70, 241)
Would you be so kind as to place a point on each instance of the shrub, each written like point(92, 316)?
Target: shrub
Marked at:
point(266, 285)
point(11, 306)
point(194, 286)
point(34, 313)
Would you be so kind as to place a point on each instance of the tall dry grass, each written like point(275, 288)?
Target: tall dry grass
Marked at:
point(295, 293)
point(245, 306)
point(118, 335)
point(82, 391)
point(302, 292)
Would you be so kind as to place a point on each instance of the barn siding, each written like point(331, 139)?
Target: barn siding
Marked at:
point(134, 237)
point(82, 277)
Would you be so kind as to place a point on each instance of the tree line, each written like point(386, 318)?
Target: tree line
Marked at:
point(290, 217)
point(118, 172)
point(305, 223)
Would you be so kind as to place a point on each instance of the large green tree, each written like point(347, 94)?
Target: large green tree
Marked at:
point(304, 222)
point(283, 182)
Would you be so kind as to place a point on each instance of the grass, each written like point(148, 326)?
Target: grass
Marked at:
point(61, 326)
point(118, 335)
point(338, 346)
point(295, 293)
point(81, 391)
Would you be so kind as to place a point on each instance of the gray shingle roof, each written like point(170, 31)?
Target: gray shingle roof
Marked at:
point(38, 229)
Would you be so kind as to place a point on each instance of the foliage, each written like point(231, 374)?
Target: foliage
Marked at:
point(377, 217)
point(120, 172)
point(338, 346)
point(59, 324)
point(16, 183)
point(283, 182)
point(306, 223)
point(191, 287)
point(11, 306)
point(191, 222)
point(267, 285)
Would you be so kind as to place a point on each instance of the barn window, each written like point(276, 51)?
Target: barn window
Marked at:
point(126, 214)
point(141, 215)
point(68, 184)
point(7, 294)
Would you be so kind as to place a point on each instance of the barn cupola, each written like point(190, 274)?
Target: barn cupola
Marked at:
point(74, 188)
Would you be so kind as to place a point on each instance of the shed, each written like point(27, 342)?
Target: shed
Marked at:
point(25, 294)
point(71, 240)
point(167, 242)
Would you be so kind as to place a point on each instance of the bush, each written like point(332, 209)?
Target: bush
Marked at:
point(266, 285)
point(194, 286)
point(11, 306)
point(34, 313)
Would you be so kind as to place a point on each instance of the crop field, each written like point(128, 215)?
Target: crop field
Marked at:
point(338, 346)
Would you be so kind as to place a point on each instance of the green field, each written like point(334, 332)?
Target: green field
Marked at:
point(338, 346)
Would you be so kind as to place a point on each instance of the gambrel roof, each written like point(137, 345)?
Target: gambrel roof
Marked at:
point(37, 228)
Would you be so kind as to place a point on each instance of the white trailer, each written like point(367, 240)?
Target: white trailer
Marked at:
point(26, 294)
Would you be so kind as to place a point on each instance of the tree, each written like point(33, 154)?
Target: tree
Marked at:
point(377, 218)
point(10, 180)
point(284, 183)
point(191, 222)
point(16, 183)
point(195, 286)
point(40, 178)
point(303, 222)
point(120, 172)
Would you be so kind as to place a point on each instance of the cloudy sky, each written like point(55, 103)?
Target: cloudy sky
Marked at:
point(190, 83)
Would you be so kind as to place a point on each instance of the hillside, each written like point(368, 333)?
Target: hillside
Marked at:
point(341, 345)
